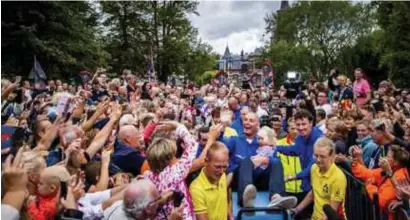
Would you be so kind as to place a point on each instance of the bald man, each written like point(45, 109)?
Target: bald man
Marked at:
point(141, 201)
point(127, 152)
point(243, 160)
point(234, 106)
point(136, 202)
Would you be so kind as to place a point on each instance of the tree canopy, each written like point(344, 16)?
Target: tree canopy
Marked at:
point(69, 36)
point(315, 37)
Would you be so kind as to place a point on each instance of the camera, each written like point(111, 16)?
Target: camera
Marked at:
point(293, 84)
point(266, 121)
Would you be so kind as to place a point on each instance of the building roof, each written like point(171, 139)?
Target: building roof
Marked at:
point(227, 53)
point(284, 5)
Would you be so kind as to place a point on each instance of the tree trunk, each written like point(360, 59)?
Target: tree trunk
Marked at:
point(156, 37)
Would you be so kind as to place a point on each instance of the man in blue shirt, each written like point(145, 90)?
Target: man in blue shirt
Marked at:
point(243, 160)
point(303, 147)
point(127, 155)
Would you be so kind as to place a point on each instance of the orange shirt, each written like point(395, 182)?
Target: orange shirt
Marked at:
point(44, 209)
point(377, 183)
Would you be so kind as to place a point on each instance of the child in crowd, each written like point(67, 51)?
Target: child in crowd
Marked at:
point(44, 206)
point(267, 141)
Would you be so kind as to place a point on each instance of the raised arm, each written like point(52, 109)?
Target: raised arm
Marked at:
point(104, 174)
point(9, 90)
point(101, 109)
point(15, 179)
point(49, 136)
point(199, 162)
point(102, 135)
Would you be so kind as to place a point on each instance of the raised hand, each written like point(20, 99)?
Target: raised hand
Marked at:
point(384, 164)
point(214, 132)
point(106, 156)
point(403, 188)
point(69, 202)
point(116, 111)
point(12, 121)
point(15, 178)
point(177, 213)
point(340, 158)
point(169, 126)
point(356, 151)
point(102, 107)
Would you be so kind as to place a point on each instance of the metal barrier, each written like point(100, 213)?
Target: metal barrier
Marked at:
point(357, 202)
point(401, 214)
point(376, 208)
point(283, 214)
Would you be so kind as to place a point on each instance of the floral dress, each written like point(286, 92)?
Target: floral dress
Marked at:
point(173, 176)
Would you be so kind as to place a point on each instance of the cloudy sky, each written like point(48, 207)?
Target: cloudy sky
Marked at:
point(238, 23)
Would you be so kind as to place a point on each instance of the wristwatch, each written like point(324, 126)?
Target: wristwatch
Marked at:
point(389, 174)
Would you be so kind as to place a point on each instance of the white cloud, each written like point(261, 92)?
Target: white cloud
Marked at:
point(238, 23)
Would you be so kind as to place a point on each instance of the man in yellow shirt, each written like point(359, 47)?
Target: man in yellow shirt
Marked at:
point(209, 190)
point(328, 182)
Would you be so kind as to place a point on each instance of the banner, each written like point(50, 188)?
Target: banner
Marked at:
point(38, 75)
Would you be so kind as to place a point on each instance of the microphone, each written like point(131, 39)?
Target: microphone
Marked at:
point(330, 213)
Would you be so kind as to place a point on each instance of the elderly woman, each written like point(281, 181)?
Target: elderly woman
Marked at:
point(343, 91)
point(167, 172)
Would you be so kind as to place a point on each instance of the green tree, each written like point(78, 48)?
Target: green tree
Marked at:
point(127, 36)
point(136, 28)
point(199, 60)
point(394, 20)
point(319, 32)
point(61, 34)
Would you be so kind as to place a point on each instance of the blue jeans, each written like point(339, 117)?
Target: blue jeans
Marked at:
point(270, 179)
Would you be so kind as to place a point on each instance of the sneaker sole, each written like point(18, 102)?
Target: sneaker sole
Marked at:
point(249, 196)
point(285, 202)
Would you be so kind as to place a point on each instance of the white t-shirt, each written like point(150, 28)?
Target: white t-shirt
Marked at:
point(91, 204)
point(115, 211)
point(9, 212)
point(221, 102)
point(327, 107)
point(261, 112)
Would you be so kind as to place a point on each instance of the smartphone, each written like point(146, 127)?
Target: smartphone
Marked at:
point(64, 189)
point(18, 79)
point(177, 197)
point(62, 105)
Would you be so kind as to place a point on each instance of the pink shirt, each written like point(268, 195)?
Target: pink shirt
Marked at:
point(360, 88)
point(173, 176)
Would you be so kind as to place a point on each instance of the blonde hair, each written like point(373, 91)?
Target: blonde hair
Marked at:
point(339, 127)
point(56, 174)
point(160, 153)
point(326, 142)
point(215, 147)
point(32, 161)
point(271, 135)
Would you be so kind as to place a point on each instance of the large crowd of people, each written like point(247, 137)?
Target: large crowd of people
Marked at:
point(122, 148)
